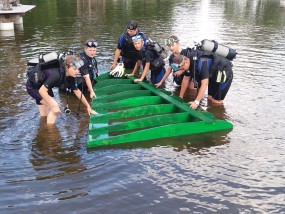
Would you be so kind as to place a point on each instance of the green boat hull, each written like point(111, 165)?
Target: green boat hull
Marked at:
point(131, 112)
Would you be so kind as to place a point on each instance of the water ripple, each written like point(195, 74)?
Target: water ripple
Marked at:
point(47, 169)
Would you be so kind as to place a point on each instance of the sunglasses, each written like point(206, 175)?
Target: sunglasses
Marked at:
point(91, 44)
point(136, 38)
point(170, 41)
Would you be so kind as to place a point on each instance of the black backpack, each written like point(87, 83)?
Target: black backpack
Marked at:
point(221, 66)
point(154, 45)
point(35, 74)
point(194, 55)
point(220, 69)
point(43, 62)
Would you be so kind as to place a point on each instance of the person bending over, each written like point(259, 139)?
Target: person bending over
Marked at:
point(43, 94)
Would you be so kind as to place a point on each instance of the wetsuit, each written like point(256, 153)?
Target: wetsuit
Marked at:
point(148, 55)
point(52, 78)
point(89, 67)
point(128, 51)
point(218, 87)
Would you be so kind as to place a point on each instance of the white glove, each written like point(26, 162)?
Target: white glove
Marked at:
point(118, 71)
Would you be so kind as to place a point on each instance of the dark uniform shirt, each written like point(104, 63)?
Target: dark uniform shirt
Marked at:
point(89, 67)
point(51, 78)
point(125, 44)
point(147, 55)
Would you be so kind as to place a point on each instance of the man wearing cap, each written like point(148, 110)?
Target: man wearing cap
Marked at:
point(89, 71)
point(43, 94)
point(125, 47)
point(150, 59)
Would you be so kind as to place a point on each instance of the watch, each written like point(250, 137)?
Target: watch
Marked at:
point(197, 102)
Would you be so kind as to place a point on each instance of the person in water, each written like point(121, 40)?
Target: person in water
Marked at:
point(43, 94)
point(150, 59)
point(125, 47)
point(176, 65)
point(89, 70)
point(201, 74)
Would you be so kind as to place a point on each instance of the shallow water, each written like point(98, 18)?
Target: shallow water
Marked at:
point(47, 169)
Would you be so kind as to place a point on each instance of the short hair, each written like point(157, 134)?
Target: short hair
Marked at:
point(178, 59)
point(174, 37)
point(132, 25)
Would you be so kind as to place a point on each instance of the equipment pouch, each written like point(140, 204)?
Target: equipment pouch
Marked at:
point(221, 76)
point(35, 75)
point(157, 63)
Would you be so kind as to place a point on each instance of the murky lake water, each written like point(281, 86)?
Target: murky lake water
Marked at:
point(49, 170)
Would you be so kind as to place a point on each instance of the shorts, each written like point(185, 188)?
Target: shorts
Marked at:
point(34, 92)
point(219, 90)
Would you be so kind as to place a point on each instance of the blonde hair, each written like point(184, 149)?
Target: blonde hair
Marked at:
point(70, 59)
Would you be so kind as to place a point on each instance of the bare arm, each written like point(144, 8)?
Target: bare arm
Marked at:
point(202, 90)
point(138, 63)
point(81, 96)
point(116, 57)
point(43, 91)
point(186, 79)
point(145, 70)
point(167, 73)
point(184, 86)
point(89, 85)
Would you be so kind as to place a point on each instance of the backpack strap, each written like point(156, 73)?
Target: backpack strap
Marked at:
point(123, 39)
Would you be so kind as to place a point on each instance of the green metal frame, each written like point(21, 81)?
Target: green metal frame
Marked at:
point(130, 112)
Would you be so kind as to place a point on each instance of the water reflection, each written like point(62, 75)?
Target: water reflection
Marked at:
point(201, 144)
point(218, 110)
point(282, 3)
point(197, 144)
point(49, 151)
point(218, 172)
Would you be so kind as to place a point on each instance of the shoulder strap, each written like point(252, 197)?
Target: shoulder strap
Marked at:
point(123, 39)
